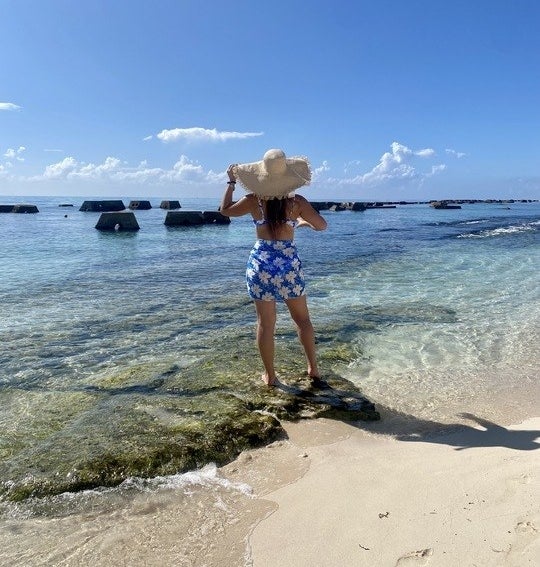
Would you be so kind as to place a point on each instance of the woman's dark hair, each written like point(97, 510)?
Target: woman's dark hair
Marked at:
point(276, 214)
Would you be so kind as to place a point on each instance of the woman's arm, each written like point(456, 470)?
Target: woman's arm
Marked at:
point(228, 207)
point(308, 216)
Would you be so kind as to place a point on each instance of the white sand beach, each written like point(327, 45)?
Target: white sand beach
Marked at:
point(468, 498)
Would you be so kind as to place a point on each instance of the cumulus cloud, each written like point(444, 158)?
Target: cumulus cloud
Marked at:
point(203, 135)
point(113, 169)
point(399, 166)
point(9, 106)
point(61, 169)
point(454, 153)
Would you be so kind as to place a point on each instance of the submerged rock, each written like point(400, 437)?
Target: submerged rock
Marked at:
point(159, 419)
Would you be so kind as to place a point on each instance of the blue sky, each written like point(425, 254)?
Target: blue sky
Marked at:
point(389, 99)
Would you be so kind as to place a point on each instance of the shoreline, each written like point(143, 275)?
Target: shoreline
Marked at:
point(330, 493)
point(460, 498)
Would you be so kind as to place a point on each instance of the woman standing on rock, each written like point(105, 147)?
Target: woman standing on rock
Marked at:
point(274, 271)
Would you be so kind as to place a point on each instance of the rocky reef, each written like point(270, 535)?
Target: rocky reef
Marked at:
point(157, 419)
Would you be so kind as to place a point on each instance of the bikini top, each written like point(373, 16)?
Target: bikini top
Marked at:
point(263, 221)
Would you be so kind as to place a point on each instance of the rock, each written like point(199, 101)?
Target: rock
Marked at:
point(170, 205)
point(154, 419)
point(117, 221)
point(215, 217)
point(65, 205)
point(102, 206)
point(6, 208)
point(140, 205)
point(184, 218)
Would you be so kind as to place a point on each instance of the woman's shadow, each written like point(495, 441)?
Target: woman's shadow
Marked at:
point(459, 435)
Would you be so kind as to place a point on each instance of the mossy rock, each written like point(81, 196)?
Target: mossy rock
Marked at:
point(165, 418)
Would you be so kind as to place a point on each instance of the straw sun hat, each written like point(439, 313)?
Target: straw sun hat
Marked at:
point(275, 175)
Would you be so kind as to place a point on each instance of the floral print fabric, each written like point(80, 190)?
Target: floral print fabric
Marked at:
point(274, 271)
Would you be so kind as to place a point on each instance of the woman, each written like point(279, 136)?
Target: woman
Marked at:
point(274, 271)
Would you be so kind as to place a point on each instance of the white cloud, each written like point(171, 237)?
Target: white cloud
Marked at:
point(61, 169)
point(112, 169)
point(427, 152)
point(15, 154)
point(398, 166)
point(52, 150)
point(351, 165)
point(146, 138)
point(203, 134)
point(437, 169)
point(9, 106)
point(454, 153)
point(318, 171)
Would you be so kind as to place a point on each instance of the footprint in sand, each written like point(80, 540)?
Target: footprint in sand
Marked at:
point(526, 535)
point(417, 558)
point(526, 528)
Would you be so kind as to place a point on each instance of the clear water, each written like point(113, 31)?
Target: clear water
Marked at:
point(441, 307)
point(434, 295)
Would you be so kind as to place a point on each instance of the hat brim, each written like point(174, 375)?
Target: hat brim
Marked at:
point(255, 179)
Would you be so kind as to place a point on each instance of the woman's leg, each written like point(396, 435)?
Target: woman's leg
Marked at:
point(266, 325)
point(299, 312)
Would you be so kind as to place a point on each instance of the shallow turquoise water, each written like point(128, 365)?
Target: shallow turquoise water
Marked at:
point(440, 306)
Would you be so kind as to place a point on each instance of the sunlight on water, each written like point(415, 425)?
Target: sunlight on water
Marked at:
point(435, 309)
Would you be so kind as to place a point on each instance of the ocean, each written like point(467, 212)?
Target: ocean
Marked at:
point(114, 342)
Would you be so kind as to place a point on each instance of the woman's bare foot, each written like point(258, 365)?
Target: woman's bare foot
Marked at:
point(313, 372)
point(269, 381)
point(317, 381)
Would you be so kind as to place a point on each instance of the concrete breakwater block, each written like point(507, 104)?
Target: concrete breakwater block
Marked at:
point(184, 218)
point(357, 206)
point(170, 205)
point(25, 209)
point(21, 208)
point(140, 205)
point(338, 206)
point(117, 221)
point(215, 217)
point(102, 206)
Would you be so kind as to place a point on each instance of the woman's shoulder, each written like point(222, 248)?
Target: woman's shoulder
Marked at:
point(250, 199)
point(300, 200)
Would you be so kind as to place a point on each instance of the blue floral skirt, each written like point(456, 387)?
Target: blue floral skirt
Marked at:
point(274, 271)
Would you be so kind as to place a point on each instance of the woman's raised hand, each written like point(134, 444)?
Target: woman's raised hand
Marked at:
point(230, 171)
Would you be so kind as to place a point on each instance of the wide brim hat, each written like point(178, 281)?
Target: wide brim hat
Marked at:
point(275, 176)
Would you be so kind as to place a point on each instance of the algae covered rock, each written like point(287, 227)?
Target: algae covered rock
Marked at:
point(161, 418)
